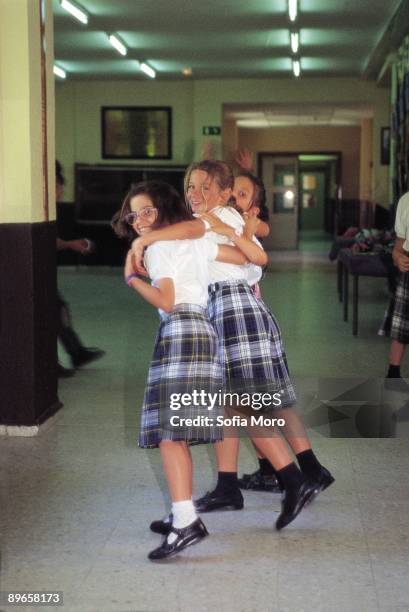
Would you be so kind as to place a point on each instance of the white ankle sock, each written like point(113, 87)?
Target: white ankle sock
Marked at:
point(184, 514)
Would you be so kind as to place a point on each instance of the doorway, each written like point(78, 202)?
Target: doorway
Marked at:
point(301, 191)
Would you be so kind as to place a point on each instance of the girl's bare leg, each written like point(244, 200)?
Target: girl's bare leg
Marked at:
point(227, 453)
point(272, 448)
point(177, 464)
point(397, 353)
point(294, 430)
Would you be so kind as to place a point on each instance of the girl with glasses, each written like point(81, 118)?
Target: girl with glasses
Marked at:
point(185, 356)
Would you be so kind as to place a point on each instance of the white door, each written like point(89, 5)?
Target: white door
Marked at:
point(280, 177)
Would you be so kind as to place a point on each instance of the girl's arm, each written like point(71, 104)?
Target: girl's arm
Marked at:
point(251, 250)
point(263, 229)
point(231, 254)
point(252, 228)
point(162, 296)
point(80, 245)
point(179, 231)
point(401, 260)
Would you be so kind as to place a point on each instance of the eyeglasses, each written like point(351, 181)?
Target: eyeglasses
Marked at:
point(145, 213)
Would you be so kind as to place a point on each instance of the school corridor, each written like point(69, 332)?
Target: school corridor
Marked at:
point(77, 500)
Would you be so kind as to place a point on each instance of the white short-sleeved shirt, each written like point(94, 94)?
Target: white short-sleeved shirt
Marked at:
point(402, 220)
point(220, 271)
point(186, 262)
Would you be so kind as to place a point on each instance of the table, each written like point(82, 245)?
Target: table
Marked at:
point(357, 264)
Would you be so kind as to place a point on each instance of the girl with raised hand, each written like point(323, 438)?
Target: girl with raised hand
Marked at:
point(250, 199)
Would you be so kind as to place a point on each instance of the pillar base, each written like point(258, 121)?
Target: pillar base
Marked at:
point(28, 324)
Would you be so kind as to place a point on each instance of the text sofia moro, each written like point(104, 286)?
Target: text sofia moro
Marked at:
point(221, 421)
point(256, 401)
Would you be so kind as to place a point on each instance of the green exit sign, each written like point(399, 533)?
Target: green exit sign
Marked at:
point(212, 130)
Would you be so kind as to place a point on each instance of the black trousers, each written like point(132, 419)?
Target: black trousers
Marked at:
point(69, 339)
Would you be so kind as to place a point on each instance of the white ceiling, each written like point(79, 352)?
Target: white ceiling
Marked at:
point(221, 38)
point(280, 115)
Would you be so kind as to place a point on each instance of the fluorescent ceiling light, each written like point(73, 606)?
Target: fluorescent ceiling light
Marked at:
point(75, 10)
point(59, 72)
point(292, 9)
point(295, 41)
point(147, 70)
point(117, 43)
point(296, 68)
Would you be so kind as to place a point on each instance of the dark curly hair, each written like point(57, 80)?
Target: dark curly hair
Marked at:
point(168, 202)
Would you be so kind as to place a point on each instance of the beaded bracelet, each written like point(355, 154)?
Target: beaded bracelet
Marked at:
point(129, 279)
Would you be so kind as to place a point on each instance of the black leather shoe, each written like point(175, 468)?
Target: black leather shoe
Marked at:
point(214, 500)
point(259, 482)
point(321, 482)
point(324, 480)
point(293, 502)
point(187, 536)
point(162, 527)
point(86, 355)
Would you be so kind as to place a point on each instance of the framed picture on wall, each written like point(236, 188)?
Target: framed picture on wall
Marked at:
point(385, 146)
point(136, 132)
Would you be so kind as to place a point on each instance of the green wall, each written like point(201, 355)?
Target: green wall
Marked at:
point(78, 119)
point(196, 104)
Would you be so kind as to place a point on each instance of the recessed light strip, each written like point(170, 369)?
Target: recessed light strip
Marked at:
point(295, 41)
point(147, 70)
point(75, 10)
point(292, 9)
point(296, 68)
point(59, 72)
point(117, 43)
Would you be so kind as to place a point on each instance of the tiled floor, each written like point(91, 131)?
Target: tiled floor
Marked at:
point(77, 499)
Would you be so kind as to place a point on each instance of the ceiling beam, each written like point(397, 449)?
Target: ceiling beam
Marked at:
point(384, 78)
point(389, 42)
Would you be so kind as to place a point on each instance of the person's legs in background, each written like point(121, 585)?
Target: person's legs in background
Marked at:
point(79, 354)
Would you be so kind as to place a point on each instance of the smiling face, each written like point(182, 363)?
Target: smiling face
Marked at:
point(203, 193)
point(243, 192)
point(146, 213)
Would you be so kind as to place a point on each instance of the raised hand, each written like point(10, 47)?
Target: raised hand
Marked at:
point(244, 158)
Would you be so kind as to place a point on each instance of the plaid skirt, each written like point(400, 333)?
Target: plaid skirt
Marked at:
point(250, 345)
point(185, 359)
point(396, 321)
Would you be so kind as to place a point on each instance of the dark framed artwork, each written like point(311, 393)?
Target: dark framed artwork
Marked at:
point(385, 146)
point(136, 132)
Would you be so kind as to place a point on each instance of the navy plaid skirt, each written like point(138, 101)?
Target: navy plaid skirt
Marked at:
point(185, 359)
point(399, 310)
point(396, 320)
point(250, 345)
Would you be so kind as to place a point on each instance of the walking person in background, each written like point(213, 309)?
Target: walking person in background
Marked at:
point(80, 355)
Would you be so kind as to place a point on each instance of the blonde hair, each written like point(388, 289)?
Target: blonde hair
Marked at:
point(218, 170)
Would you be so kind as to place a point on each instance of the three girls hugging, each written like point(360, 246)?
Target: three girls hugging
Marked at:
point(205, 263)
